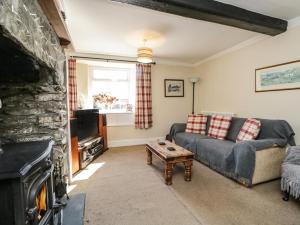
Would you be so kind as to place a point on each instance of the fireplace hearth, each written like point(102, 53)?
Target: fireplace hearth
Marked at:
point(26, 184)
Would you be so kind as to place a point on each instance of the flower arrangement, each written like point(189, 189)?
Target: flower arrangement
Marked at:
point(104, 98)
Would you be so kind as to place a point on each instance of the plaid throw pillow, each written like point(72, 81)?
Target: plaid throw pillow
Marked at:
point(249, 131)
point(219, 126)
point(196, 124)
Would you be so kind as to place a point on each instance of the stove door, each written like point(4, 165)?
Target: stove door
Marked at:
point(40, 200)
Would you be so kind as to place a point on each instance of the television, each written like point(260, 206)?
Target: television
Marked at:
point(87, 124)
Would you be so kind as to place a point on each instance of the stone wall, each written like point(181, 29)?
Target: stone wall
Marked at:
point(33, 87)
point(25, 21)
point(34, 111)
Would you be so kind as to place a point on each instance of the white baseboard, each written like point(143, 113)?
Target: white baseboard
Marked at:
point(131, 142)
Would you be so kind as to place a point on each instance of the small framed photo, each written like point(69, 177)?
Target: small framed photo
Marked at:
point(174, 88)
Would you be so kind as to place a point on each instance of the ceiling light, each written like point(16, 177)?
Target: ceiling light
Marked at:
point(145, 55)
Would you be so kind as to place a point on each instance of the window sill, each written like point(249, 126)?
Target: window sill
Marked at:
point(110, 112)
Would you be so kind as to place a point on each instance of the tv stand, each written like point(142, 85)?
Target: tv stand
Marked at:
point(89, 149)
point(88, 137)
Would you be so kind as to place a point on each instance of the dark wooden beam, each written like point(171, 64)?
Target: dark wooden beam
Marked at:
point(216, 12)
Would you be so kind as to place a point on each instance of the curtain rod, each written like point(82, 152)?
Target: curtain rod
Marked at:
point(108, 60)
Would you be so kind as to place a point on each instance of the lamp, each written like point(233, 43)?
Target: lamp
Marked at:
point(145, 55)
point(194, 80)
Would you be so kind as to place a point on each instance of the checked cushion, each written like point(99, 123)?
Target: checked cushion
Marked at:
point(249, 130)
point(196, 124)
point(219, 126)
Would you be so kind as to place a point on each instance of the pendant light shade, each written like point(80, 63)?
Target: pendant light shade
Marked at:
point(145, 55)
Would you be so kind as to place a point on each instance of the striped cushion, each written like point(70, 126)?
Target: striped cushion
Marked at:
point(196, 124)
point(219, 126)
point(249, 131)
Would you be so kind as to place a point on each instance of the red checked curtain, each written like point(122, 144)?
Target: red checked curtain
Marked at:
point(72, 86)
point(143, 106)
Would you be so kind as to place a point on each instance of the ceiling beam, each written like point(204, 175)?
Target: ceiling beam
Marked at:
point(216, 12)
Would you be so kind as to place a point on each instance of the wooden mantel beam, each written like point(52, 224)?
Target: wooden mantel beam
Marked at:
point(55, 18)
point(216, 12)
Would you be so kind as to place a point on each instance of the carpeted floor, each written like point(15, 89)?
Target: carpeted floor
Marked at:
point(122, 189)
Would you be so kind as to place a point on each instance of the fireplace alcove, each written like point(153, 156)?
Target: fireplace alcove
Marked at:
point(33, 101)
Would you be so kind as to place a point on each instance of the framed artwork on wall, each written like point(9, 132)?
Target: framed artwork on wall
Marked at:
point(174, 88)
point(284, 76)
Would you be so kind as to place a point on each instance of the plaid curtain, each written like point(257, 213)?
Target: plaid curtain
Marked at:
point(143, 106)
point(72, 86)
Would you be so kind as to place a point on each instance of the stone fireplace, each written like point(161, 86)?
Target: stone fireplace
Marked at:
point(32, 78)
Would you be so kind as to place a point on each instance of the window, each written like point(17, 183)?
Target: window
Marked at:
point(112, 89)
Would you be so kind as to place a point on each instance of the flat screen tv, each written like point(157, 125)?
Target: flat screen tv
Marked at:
point(87, 123)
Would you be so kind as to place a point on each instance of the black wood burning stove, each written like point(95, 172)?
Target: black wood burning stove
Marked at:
point(26, 184)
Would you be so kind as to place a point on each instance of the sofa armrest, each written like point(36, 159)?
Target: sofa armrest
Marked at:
point(267, 143)
point(176, 128)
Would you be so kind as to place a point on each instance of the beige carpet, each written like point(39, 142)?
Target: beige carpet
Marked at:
point(122, 190)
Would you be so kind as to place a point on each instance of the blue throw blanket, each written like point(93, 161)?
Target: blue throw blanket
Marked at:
point(290, 181)
point(236, 160)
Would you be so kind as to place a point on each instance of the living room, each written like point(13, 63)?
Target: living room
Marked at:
point(150, 112)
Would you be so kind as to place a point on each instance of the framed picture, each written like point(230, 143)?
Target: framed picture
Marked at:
point(174, 88)
point(284, 76)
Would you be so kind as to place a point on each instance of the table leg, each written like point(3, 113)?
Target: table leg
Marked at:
point(188, 170)
point(168, 173)
point(149, 157)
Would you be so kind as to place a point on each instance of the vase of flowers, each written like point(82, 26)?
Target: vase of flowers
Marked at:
point(104, 100)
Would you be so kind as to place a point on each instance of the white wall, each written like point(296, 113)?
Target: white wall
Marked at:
point(227, 83)
point(166, 111)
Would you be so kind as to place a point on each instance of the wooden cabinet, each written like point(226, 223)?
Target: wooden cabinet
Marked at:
point(74, 154)
point(74, 146)
point(103, 129)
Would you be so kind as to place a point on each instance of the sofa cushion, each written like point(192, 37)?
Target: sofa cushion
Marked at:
point(235, 127)
point(276, 129)
point(188, 140)
point(249, 131)
point(208, 124)
point(214, 152)
point(196, 124)
point(219, 126)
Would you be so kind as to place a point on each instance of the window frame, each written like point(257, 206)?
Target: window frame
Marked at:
point(129, 80)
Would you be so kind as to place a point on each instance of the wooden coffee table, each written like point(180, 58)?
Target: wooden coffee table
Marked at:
point(171, 158)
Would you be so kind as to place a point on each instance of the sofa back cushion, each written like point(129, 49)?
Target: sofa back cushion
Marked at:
point(276, 129)
point(219, 126)
point(196, 124)
point(249, 130)
point(235, 127)
point(207, 124)
point(269, 129)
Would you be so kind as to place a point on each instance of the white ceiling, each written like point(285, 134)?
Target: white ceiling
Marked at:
point(110, 28)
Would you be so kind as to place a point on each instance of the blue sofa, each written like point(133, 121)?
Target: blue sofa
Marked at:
point(248, 162)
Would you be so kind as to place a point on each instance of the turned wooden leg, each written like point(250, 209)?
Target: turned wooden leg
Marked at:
point(168, 173)
point(149, 156)
point(188, 170)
